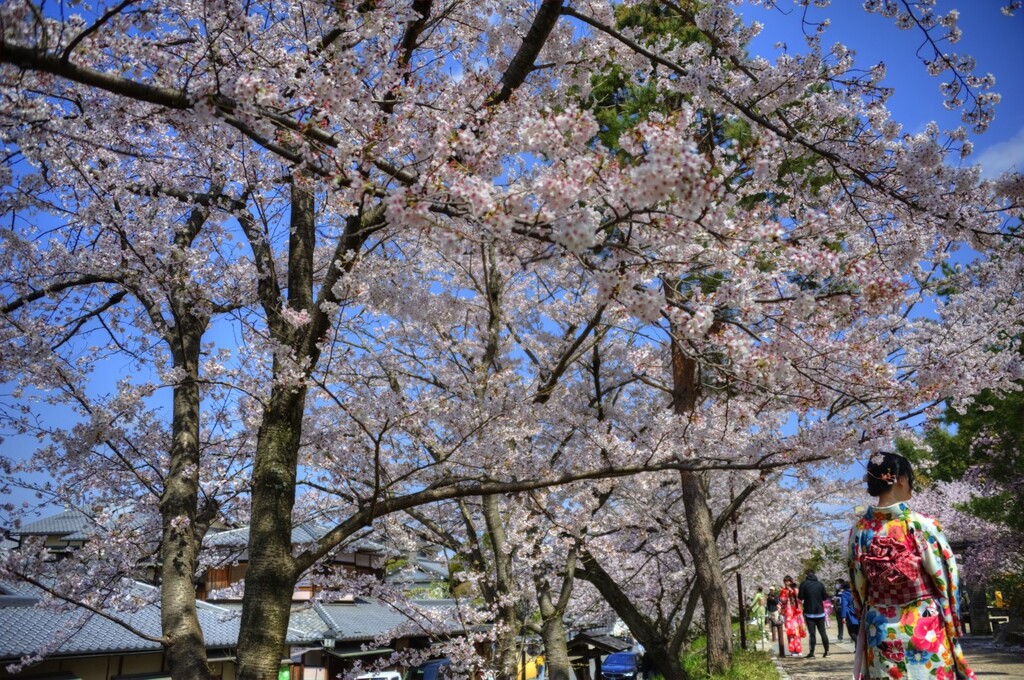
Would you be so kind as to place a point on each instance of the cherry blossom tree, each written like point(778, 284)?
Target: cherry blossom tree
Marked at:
point(386, 161)
point(69, 291)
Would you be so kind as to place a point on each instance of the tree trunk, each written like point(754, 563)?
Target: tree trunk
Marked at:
point(710, 580)
point(182, 533)
point(662, 653)
point(270, 578)
point(506, 655)
point(552, 613)
point(556, 651)
point(272, 574)
point(699, 522)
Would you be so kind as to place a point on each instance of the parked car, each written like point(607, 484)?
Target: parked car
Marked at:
point(431, 670)
point(621, 666)
point(380, 675)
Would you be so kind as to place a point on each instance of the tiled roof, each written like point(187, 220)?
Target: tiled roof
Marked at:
point(358, 620)
point(28, 627)
point(355, 620)
point(302, 534)
point(73, 524)
point(295, 635)
point(420, 571)
point(439, 569)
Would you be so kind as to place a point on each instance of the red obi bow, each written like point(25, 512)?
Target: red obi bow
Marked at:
point(891, 561)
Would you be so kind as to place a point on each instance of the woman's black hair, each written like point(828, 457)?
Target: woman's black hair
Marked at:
point(884, 468)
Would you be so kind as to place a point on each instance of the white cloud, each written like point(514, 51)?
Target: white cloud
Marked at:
point(1002, 156)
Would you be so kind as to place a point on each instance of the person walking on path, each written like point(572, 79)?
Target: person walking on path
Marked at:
point(845, 612)
point(758, 610)
point(793, 615)
point(775, 621)
point(905, 584)
point(837, 609)
point(813, 596)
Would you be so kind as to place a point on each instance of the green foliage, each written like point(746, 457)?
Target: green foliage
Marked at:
point(746, 664)
point(617, 100)
point(989, 434)
point(436, 591)
point(985, 439)
point(1012, 587)
point(821, 558)
point(395, 564)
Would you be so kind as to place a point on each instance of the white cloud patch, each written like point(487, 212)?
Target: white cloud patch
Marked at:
point(1002, 156)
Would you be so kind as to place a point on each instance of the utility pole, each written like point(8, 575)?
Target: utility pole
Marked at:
point(739, 577)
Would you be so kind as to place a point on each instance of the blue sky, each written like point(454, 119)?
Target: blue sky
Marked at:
point(988, 35)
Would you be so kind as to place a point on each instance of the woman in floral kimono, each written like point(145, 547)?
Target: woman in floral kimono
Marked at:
point(905, 584)
point(793, 612)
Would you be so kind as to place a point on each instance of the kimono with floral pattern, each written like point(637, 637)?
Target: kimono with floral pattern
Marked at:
point(793, 613)
point(906, 589)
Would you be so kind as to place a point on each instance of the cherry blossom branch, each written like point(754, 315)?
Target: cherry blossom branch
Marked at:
point(522, 63)
point(107, 16)
point(57, 287)
point(568, 356)
point(785, 128)
point(77, 324)
point(37, 59)
point(463, 488)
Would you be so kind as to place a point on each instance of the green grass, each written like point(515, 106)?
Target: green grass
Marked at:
point(746, 664)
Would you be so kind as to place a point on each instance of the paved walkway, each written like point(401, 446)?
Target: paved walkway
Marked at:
point(987, 660)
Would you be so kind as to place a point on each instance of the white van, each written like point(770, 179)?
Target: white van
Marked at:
point(380, 675)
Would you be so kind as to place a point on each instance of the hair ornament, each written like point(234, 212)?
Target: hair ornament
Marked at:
point(887, 477)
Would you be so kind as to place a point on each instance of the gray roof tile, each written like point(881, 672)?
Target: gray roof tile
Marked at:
point(69, 521)
point(74, 524)
point(28, 627)
point(302, 534)
point(360, 619)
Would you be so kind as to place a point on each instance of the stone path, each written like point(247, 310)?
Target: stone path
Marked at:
point(987, 661)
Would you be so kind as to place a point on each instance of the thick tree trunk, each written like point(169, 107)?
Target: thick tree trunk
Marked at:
point(270, 578)
point(182, 533)
point(272, 574)
point(552, 611)
point(710, 580)
point(556, 651)
point(506, 654)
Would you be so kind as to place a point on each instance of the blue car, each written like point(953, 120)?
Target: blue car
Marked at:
point(621, 666)
point(431, 670)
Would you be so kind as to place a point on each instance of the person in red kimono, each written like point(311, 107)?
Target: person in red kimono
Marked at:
point(789, 603)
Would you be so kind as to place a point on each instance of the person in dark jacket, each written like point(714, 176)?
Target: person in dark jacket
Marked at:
point(813, 595)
